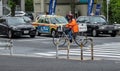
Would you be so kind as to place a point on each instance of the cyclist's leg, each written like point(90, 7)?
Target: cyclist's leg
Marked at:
point(70, 35)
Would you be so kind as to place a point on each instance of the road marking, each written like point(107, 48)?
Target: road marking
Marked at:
point(34, 39)
point(107, 50)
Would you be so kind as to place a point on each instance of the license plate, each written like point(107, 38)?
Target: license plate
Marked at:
point(25, 32)
point(110, 31)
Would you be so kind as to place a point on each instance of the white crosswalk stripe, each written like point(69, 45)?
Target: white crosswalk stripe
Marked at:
point(106, 50)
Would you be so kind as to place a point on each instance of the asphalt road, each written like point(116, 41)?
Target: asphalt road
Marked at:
point(42, 46)
point(38, 54)
point(14, 63)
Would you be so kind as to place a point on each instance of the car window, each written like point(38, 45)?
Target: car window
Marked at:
point(47, 20)
point(86, 20)
point(97, 20)
point(15, 21)
point(58, 20)
point(27, 19)
point(41, 20)
point(81, 20)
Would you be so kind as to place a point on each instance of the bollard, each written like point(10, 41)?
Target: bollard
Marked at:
point(81, 46)
point(57, 44)
point(92, 56)
point(68, 49)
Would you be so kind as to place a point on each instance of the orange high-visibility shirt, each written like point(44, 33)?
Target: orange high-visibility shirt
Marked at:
point(73, 25)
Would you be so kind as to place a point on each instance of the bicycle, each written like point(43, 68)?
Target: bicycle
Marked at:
point(62, 37)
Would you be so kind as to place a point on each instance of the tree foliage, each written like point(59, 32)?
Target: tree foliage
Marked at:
point(29, 5)
point(114, 11)
point(104, 8)
point(12, 5)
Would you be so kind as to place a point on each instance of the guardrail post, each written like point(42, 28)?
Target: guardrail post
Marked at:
point(57, 46)
point(68, 49)
point(81, 47)
point(92, 56)
point(11, 47)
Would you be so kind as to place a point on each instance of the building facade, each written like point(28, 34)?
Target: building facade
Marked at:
point(63, 7)
point(1, 10)
point(5, 10)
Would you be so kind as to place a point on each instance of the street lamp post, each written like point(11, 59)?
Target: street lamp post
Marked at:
point(108, 1)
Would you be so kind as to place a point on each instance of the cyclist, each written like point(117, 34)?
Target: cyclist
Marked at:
point(73, 27)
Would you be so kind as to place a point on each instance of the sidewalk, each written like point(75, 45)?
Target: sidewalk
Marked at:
point(20, 63)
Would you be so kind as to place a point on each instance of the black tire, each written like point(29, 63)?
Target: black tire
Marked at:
point(38, 34)
point(32, 36)
point(113, 34)
point(94, 33)
point(61, 39)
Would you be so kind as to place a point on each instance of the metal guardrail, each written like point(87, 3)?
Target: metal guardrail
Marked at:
point(81, 47)
point(7, 44)
point(68, 49)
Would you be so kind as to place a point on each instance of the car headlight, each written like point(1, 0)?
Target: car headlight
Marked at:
point(102, 27)
point(115, 27)
point(15, 28)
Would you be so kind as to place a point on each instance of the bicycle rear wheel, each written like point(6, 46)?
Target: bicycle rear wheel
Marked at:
point(60, 39)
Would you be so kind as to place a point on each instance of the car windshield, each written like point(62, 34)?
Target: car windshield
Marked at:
point(97, 20)
point(27, 19)
point(58, 20)
point(15, 21)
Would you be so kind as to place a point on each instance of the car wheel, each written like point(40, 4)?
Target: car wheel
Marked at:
point(94, 33)
point(38, 34)
point(113, 34)
point(32, 36)
point(53, 33)
point(10, 35)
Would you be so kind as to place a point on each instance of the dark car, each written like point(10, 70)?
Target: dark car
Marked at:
point(16, 26)
point(97, 25)
point(27, 19)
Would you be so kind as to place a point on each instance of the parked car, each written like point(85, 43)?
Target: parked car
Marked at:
point(27, 19)
point(97, 25)
point(16, 26)
point(48, 24)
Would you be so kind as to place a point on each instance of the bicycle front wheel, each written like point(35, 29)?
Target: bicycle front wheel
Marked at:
point(60, 40)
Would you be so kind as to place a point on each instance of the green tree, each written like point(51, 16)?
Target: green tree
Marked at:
point(29, 5)
point(12, 5)
point(104, 8)
point(114, 11)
